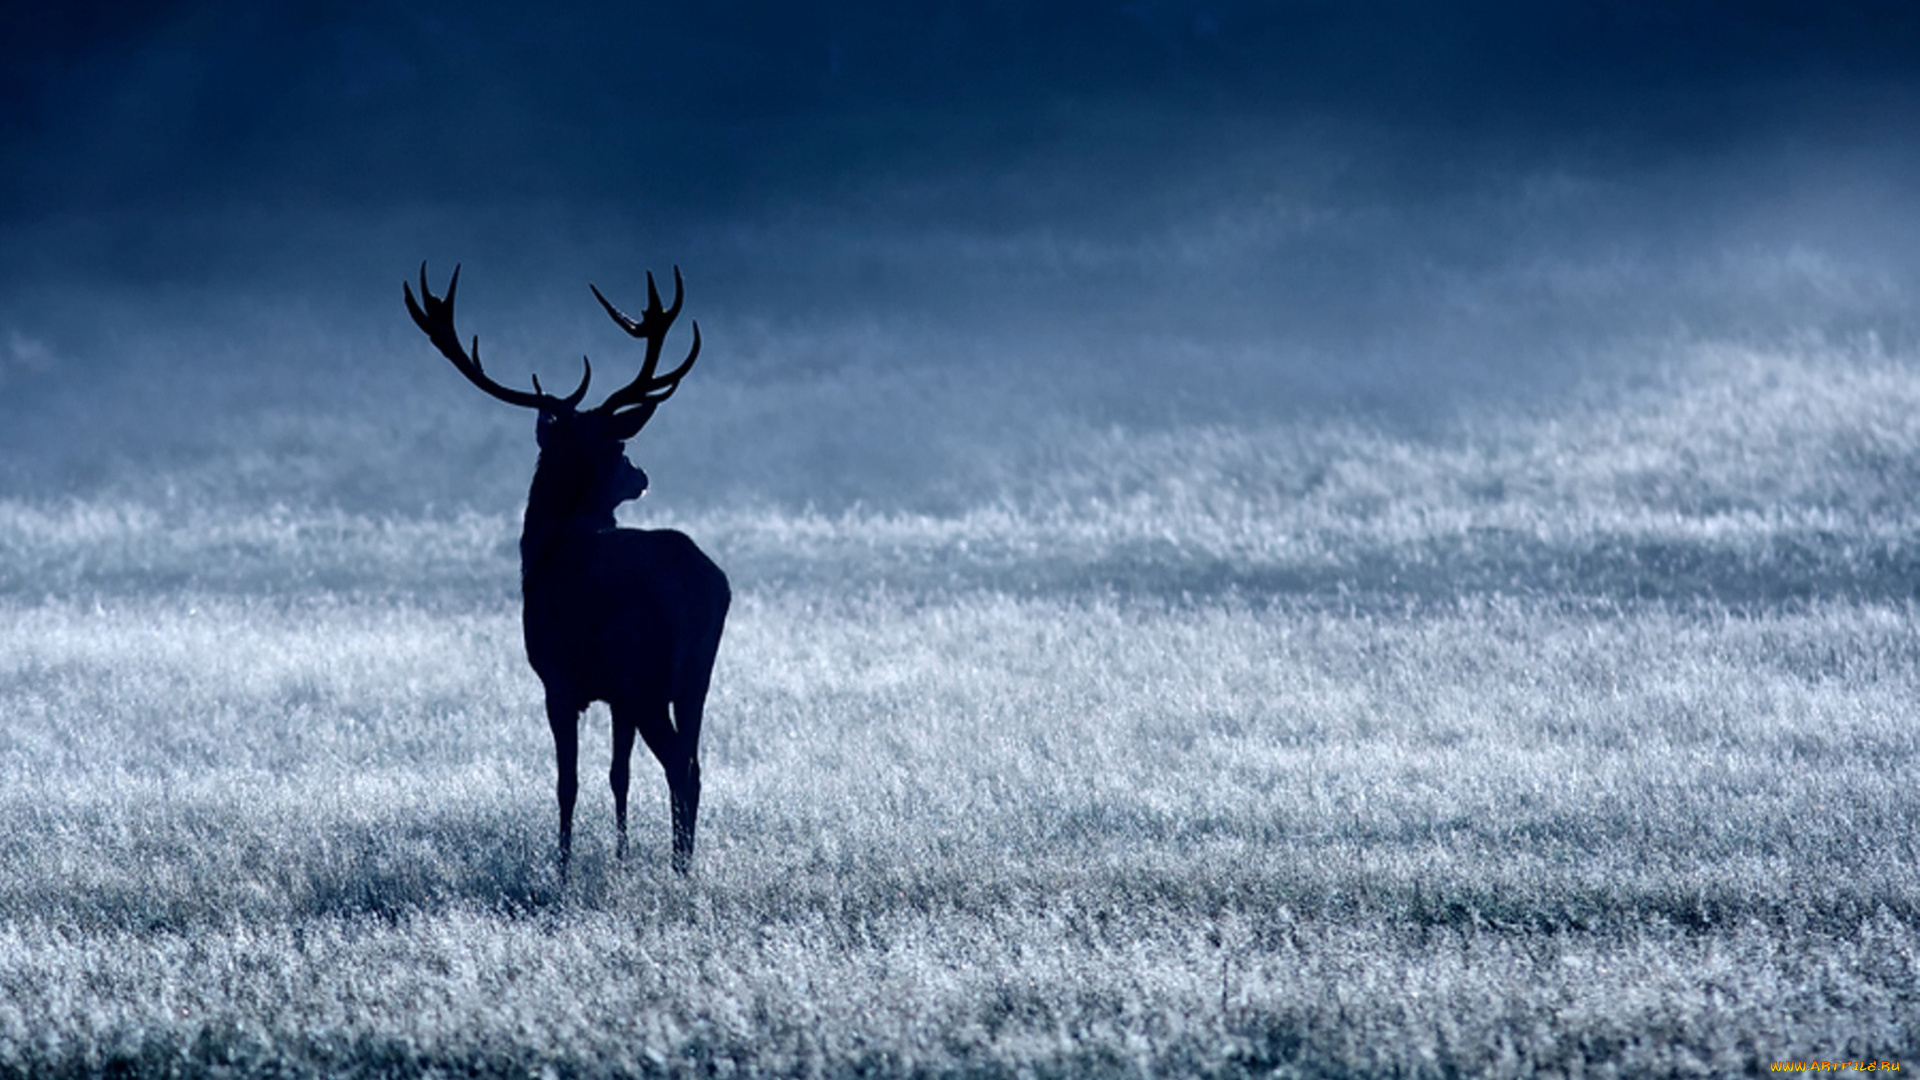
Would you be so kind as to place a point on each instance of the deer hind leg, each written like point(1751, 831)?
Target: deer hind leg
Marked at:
point(565, 722)
point(617, 774)
point(685, 784)
point(675, 745)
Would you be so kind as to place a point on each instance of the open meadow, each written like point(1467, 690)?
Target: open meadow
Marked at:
point(1267, 538)
point(1554, 743)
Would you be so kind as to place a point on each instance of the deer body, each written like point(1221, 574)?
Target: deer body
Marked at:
point(635, 619)
point(630, 617)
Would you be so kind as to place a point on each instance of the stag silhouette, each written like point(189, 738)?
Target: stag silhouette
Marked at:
point(631, 617)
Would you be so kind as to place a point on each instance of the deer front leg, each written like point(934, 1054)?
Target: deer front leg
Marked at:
point(565, 722)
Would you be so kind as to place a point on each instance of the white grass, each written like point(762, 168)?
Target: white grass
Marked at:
point(1580, 745)
point(980, 834)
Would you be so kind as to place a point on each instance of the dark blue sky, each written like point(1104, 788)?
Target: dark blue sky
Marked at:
point(1150, 214)
point(716, 108)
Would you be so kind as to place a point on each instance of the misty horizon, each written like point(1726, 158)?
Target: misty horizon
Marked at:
point(997, 220)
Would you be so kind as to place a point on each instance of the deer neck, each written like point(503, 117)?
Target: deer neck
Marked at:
point(556, 514)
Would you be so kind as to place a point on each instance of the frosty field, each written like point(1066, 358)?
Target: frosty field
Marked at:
point(1575, 741)
point(1267, 538)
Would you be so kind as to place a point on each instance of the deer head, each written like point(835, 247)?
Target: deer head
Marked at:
point(581, 451)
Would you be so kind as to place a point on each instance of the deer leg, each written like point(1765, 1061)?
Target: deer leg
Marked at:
point(617, 774)
point(686, 808)
point(674, 750)
point(565, 722)
point(686, 785)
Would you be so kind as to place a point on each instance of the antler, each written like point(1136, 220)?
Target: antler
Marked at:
point(648, 390)
point(437, 322)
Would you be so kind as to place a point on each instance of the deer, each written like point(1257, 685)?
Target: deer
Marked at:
point(629, 617)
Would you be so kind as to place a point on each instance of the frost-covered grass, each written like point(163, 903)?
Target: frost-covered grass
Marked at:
point(1580, 744)
point(980, 834)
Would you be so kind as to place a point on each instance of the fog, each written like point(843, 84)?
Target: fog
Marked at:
point(932, 252)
